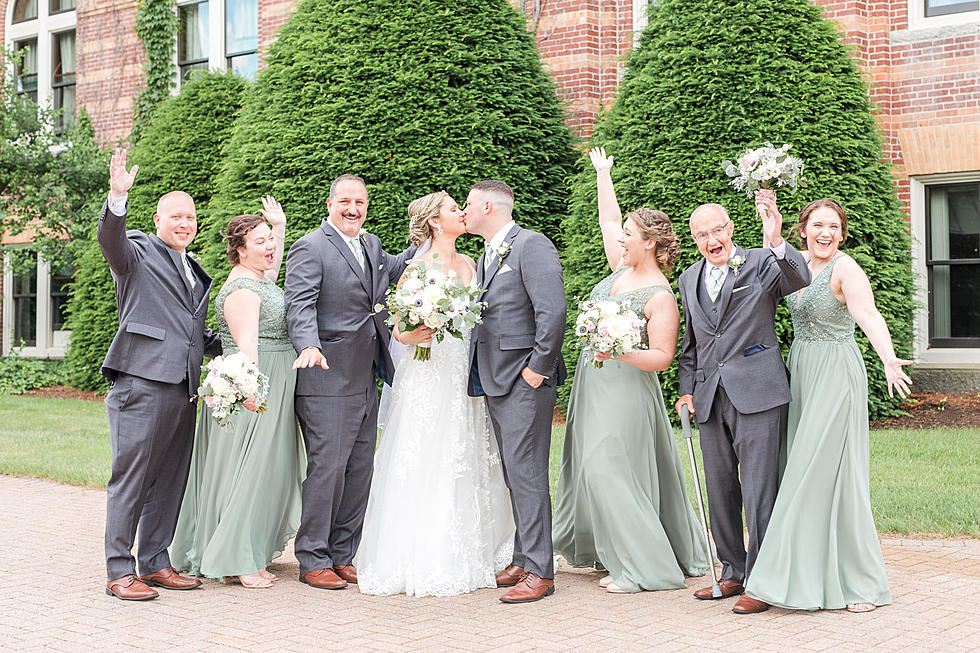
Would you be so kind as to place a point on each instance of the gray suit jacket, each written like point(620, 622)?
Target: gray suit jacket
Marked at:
point(524, 322)
point(161, 334)
point(329, 305)
point(739, 349)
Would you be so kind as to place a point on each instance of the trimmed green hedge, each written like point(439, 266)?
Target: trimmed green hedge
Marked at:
point(180, 149)
point(711, 78)
point(414, 97)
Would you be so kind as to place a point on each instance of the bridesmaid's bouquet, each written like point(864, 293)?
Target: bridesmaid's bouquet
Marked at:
point(766, 167)
point(608, 326)
point(437, 299)
point(232, 380)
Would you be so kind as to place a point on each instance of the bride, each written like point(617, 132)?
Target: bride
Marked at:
point(439, 518)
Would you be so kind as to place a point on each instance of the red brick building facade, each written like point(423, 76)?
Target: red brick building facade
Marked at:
point(921, 59)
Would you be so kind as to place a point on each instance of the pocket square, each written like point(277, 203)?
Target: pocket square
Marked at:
point(505, 268)
point(739, 289)
point(754, 349)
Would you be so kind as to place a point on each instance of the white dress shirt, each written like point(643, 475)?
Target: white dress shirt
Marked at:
point(494, 244)
point(354, 243)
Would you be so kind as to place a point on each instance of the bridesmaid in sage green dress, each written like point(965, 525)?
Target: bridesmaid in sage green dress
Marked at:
point(821, 549)
point(242, 503)
point(621, 503)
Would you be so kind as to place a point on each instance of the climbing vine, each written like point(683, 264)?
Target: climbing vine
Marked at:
point(156, 27)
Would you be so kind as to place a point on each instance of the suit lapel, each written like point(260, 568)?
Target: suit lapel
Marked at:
point(342, 247)
point(491, 273)
point(697, 274)
point(726, 289)
point(181, 274)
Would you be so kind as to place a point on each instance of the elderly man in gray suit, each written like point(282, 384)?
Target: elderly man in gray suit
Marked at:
point(733, 380)
point(154, 363)
point(335, 275)
point(516, 362)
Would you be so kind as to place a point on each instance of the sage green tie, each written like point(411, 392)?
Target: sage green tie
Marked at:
point(355, 247)
point(715, 281)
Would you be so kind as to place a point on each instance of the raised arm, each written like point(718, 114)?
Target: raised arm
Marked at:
point(546, 290)
point(610, 216)
point(304, 274)
point(859, 297)
point(272, 211)
point(787, 271)
point(116, 248)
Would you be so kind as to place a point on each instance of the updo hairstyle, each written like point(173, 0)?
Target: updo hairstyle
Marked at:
point(419, 213)
point(655, 225)
point(237, 230)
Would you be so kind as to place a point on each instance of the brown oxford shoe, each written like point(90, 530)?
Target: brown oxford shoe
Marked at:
point(130, 588)
point(169, 579)
point(323, 579)
point(728, 588)
point(347, 572)
point(529, 588)
point(509, 576)
point(747, 605)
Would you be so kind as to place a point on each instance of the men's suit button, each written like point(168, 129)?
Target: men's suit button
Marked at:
point(721, 364)
point(717, 335)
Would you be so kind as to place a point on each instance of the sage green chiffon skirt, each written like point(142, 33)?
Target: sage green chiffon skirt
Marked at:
point(242, 503)
point(821, 548)
point(621, 502)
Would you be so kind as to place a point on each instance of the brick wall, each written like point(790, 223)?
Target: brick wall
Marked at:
point(273, 14)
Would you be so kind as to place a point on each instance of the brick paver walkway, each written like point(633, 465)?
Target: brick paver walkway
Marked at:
point(51, 597)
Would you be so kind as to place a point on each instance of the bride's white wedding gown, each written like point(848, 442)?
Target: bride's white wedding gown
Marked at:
point(439, 519)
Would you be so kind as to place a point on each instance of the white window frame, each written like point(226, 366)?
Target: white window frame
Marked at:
point(919, 20)
point(43, 28)
point(48, 343)
point(938, 357)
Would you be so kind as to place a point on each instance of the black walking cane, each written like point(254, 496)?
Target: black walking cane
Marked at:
point(686, 425)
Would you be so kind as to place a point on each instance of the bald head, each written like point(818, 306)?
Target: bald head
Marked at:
point(710, 210)
point(176, 220)
point(173, 198)
point(712, 231)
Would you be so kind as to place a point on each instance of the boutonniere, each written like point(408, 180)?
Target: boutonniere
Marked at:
point(501, 252)
point(736, 262)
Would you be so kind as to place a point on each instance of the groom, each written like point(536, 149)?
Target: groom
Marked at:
point(733, 380)
point(335, 275)
point(516, 362)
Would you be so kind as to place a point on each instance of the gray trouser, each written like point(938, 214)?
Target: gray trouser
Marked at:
point(522, 424)
point(742, 445)
point(151, 432)
point(340, 434)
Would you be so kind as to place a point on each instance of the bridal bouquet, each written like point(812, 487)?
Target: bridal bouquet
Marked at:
point(231, 380)
point(766, 167)
point(608, 326)
point(437, 299)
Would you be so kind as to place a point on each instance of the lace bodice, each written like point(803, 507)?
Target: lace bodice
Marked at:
point(637, 297)
point(817, 314)
point(272, 313)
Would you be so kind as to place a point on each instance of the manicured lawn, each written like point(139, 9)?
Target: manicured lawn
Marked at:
point(922, 481)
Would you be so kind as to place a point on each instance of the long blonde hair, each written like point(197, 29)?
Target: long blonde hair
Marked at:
point(419, 212)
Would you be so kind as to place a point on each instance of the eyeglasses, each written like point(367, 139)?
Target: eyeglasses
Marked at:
point(717, 232)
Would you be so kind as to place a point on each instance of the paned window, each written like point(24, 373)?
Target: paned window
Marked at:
point(25, 308)
point(58, 6)
point(25, 10)
point(63, 79)
point(192, 38)
point(27, 68)
point(953, 264)
point(242, 37)
point(946, 7)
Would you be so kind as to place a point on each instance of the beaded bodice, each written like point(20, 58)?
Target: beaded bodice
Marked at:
point(272, 313)
point(817, 314)
point(637, 297)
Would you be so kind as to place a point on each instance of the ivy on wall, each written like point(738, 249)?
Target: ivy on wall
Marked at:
point(156, 27)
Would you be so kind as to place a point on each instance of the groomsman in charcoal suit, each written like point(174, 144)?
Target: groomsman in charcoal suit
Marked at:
point(154, 363)
point(733, 380)
point(334, 277)
point(516, 362)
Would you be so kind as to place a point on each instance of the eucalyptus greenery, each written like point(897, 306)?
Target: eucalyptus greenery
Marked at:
point(710, 79)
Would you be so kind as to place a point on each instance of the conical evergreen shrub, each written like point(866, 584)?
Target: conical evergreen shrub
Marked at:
point(414, 97)
point(180, 149)
point(711, 78)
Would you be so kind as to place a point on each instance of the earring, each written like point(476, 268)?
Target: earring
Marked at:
point(438, 230)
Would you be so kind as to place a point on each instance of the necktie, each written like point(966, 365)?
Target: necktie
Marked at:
point(715, 278)
point(488, 255)
point(187, 269)
point(355, 247)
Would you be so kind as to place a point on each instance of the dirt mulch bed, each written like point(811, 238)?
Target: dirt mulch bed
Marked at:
point(64, 392)
point(928, 410)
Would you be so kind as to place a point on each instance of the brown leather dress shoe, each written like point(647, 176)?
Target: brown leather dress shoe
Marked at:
point(347, 572)
point(323, 579)
point(169, 579)
point(529, 588)
point(130, 588)
point(509, 576)
point(728, 588)
point(747, 605)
